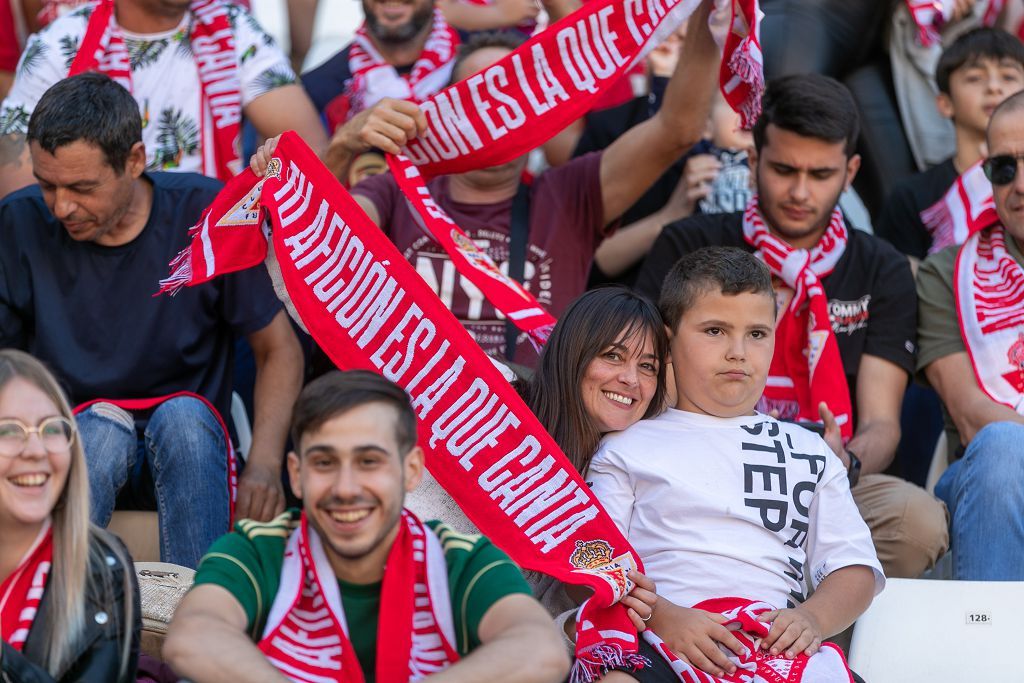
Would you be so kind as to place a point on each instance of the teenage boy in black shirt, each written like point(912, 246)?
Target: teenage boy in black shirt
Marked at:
point(974, 74)
point(803, 160)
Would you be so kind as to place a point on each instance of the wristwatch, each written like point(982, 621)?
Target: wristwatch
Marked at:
point(853, 469)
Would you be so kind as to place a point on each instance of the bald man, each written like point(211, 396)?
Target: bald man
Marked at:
point(971, 341)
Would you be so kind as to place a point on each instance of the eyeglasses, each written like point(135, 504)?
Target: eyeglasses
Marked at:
point(56, 434)
point(1001, 169)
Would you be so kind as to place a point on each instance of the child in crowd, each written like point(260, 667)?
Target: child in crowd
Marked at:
point(719, 500)
point(974, 74)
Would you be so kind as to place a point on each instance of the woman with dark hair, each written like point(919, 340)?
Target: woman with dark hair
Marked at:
point(67, 588)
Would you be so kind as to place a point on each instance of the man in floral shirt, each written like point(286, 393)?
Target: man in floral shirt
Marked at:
point(163, 52)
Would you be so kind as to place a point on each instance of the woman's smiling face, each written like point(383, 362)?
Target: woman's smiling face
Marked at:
point(619, 382)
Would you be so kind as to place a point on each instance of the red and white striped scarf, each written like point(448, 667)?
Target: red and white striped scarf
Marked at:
point(827, 664)
point(806, 368)
point(965, 208)
point(989, 288)
point(306, 636)
point(213, 45)
point(21, 592)
point(931, 15)
point(373, 78)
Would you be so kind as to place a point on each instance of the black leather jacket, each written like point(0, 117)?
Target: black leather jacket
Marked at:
point(98, 655)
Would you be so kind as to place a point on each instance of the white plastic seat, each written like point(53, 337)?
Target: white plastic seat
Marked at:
point(927, 631)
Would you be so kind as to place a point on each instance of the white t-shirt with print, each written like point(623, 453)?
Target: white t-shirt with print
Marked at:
point(165, 81)
point(731, 507)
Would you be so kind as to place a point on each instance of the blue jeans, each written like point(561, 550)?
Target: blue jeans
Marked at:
point(181, 460)
point(984, 492)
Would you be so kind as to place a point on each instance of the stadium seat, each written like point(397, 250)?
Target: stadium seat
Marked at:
point(918, 630)
point(940, 461)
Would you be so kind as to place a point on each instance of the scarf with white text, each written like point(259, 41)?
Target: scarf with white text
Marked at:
point(931, 15)
point(368, 308)
point(306, 636)
point(806, 367)
point(213, 47)
point(989, 288)
point(966, 208)
point(21, 592)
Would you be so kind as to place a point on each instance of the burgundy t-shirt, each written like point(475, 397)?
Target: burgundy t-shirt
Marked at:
point(566, 225)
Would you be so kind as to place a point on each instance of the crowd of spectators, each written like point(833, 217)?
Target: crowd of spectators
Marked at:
point(846, 277)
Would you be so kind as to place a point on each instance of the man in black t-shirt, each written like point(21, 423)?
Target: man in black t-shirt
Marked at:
point(974, 74)
point(83, 253)
point(803, 160)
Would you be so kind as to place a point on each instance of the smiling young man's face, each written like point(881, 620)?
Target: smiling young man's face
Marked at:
point(352, 479)
point(721, 352)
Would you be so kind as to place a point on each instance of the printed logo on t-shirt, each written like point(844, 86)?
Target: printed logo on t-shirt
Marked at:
point(849, 316)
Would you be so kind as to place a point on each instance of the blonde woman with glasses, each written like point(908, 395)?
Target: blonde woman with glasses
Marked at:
point(67, 590)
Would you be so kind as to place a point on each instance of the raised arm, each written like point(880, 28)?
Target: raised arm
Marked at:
point(519, 643)
point(208, 643)
point(632, 163)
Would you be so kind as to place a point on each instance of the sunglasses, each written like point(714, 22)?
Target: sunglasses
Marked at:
point(1001, 169)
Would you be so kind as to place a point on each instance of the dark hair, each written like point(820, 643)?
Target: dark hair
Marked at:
point(981, 43)
point(591, 323)
point(812, 106)
point(730, 270)
point(92, 108)
point(337, 392)
point(510, 40)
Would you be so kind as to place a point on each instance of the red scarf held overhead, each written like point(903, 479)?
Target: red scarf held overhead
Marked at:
point(306, 636)
point(507, 295)
point(373, 78)
point(213, 44)
point(21, 592)
point(132, 405)
point(931, 15)
point(806, 368)
point(369, 309)
point(966, 208)
point(989, 289)
point(528, 96)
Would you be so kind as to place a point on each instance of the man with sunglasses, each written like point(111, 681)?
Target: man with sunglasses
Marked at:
point(971, 335)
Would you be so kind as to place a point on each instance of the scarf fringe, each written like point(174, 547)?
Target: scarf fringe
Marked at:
point(743, 63)
point(593, 663)
point(181, 273)
point(539, 336)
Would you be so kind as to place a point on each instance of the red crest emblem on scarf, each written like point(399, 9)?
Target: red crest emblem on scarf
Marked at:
point(1015, 355)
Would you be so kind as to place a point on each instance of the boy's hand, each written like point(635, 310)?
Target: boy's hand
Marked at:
point(641, 600)
point(793, 631)
point(694, 635)
point(832, 436)
point(261, 158)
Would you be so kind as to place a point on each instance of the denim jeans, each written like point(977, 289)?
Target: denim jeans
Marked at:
point(182, 451)
point(984, 492)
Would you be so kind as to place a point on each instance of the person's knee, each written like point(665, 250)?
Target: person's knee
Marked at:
point(923, 535)
point(187, 427)
point(107, 433)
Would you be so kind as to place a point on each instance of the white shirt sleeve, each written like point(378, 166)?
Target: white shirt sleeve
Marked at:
point(263, 66)
point(837, 535)
point(44, 62)
point(612, 485)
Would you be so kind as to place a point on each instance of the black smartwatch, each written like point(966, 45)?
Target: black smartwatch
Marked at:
point(853, 469)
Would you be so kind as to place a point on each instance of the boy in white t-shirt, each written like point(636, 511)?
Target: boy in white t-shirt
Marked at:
point(720, 501)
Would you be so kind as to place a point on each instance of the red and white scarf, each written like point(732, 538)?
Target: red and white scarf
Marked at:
point(507, 295)
point(525, 98)
point(931, 15)
point(989, 288)
point(827, 665)
point(146, 404)
point(369, 309)
point(213, 45)
point(306, 636)
point(806, 368)
point(21, 592)
point(373, 78)
point(966, 207)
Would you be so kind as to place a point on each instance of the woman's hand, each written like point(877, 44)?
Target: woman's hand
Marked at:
point(641, 600)
point(261, 159)
point(695, 636)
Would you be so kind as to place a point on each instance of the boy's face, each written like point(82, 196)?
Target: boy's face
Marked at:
point(977, 88)
point(721, 352)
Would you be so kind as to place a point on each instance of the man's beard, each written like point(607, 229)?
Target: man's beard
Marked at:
point(399, 34)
